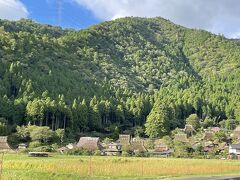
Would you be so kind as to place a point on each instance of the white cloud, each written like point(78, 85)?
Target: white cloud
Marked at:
point(12, 9)
point(219, 16)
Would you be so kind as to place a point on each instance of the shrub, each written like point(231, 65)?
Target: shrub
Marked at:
point(97, 153)
point(54, 147)
point(139, 154)
point(125, 154)
point(107, 140)
point(34, 144)
point(78, 152)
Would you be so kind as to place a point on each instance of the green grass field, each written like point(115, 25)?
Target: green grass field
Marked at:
point(19, 166)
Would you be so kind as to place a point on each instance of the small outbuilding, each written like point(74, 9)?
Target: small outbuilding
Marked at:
point(114, 149)
point(67, 147)
point(71, 146)
point(89, 143)
point(22, 146)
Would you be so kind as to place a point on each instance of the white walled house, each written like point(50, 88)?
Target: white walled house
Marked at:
point(234, 151)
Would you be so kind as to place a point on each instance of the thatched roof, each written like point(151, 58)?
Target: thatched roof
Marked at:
point(196, 145)
point(237, 132)
point(158, 141)
point(62, 149)
point(138, 144)
point(181, 137)
point(189, 128)
point(237, 129)
point(125, 139)
point(214, 129)
point(160, 147)
point(208, 135)
point(4, 144)
point(208, 144)
point(89, 143)
point(223, 146)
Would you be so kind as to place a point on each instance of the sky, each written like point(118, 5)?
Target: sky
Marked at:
point(217, 16)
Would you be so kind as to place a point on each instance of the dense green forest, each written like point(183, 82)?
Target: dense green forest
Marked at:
point(126, 74)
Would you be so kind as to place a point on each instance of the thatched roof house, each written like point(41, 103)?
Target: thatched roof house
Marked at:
point(237, 132)
point(208, 136)
point(214, 129)
point(4, 144)
point(138, 144)
point(189, 130)
point(125, 139)
point(208, 146)
point(181, 137)
point(160, 147)
point(89, 143)
point(222, 147)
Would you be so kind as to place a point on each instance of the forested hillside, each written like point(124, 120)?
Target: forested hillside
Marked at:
point(117, 75)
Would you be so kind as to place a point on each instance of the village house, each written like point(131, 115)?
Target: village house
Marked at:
point(237, 132)
point(181, 137)
point(22, 146)
point(214, 129)
point(4, 144)
point(125, 139)
point(208, 146)
point(189, 130)
point(138, 145)
point(161, 149)
point(208, 136)
point(114, 149)
point(196, 145)
point(89, 143)
point(234, 151)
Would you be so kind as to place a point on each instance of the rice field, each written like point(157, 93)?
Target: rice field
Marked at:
point(20, 166)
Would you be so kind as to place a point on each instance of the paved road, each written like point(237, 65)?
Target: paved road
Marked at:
point(213, 178)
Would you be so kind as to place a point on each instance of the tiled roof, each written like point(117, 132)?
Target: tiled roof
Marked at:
point(235, 146)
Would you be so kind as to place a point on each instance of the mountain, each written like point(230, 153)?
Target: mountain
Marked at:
point(115, 74)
